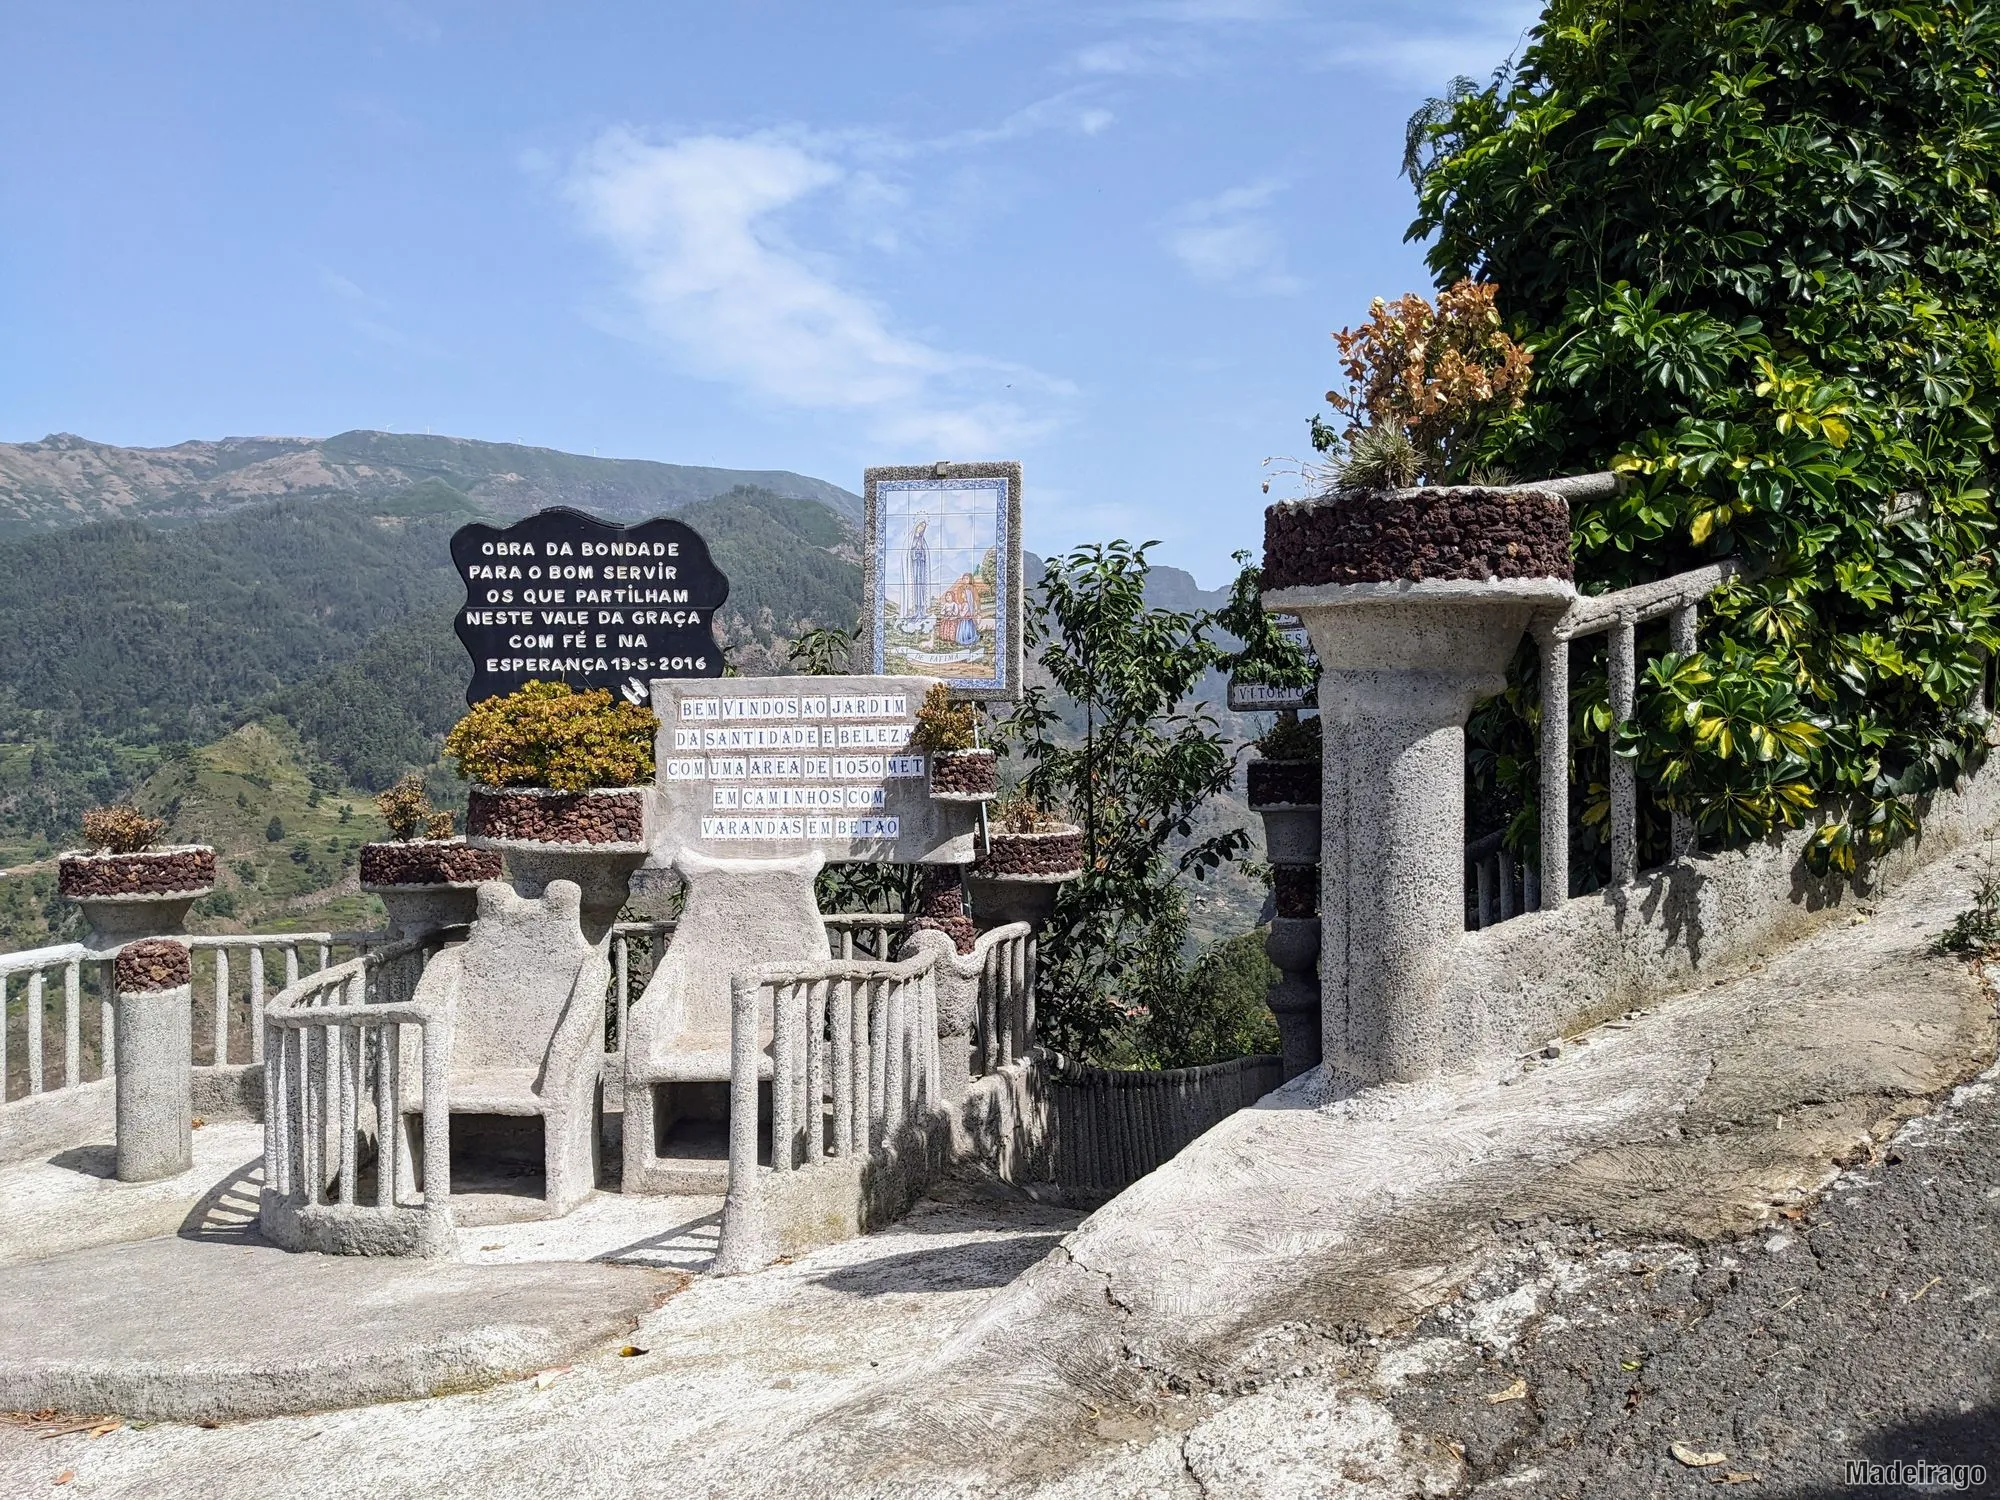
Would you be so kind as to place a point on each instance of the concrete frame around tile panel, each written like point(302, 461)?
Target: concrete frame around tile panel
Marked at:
point(1012, 649)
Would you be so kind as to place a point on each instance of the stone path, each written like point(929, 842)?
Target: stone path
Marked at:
point(1254, 1321)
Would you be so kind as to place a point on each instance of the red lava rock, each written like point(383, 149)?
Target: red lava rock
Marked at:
point(1057, 852)
point(1297, 890)
point(151, 964)
point(1284, 783)
point(965, 773)
point(1380, 536)
point(608, 817)
point(427, 862)
point(151, 872)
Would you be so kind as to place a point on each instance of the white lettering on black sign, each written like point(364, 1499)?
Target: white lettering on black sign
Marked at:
point(563, 596)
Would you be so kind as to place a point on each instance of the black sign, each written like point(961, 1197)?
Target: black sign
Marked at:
point(565, 597)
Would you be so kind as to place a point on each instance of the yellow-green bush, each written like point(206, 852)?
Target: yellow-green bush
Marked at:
point(545, 735)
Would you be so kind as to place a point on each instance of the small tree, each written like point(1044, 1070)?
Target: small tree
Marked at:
point(1131, 760)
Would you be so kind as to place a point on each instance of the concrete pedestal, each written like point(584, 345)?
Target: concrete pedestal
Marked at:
point(602, 873)
point(998, 900)
point(416, 909)
point(153, 1036)
point(118, 920)
point(1403, 665)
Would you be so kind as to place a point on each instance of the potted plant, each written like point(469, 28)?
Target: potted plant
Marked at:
point(1028, 853)
point(1285, 789)
point(425, 877)
point(129, 888)
point(560, 785)
point(961, 769)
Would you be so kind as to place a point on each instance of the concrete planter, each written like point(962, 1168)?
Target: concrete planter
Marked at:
point(425, 884)
point(964, 776)
point(130, 896)
point(1291, 834)
point(1415, 601)
point(595, 839)
point(1017, 878)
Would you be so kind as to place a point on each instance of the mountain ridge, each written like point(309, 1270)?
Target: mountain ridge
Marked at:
point(64, 480)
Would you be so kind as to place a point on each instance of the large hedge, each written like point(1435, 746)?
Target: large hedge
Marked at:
point(1755, 247)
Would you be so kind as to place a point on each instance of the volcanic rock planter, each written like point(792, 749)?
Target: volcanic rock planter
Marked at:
point(425, 884)
point(143, 894)
point(1415, 601)
point(964, 775)
point(1449, 533)
point(595, 838)
point(1015, 880)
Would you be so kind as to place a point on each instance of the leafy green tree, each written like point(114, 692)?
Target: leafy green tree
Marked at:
point(1755, 249)
point(1214, 1012)
point(1132, 765)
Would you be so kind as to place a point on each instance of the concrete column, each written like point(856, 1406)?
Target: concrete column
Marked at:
point(1624, 780)
point(154, 1087)
point(1555, 770)
point(1403, 665)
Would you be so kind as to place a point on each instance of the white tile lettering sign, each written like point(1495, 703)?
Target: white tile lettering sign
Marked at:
point(767, 767)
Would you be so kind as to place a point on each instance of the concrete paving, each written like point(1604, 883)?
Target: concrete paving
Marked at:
point(1237, 1324)
point(71, 1200)
point(224, 1326)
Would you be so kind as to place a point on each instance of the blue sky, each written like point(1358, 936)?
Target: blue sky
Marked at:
point(1109, 240)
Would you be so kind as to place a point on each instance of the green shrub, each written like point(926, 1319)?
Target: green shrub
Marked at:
point(545, 735)
point(944, 726)
point(1290, 738)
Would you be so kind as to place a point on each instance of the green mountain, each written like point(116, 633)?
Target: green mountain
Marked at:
point(331, 613)
point(65, 480)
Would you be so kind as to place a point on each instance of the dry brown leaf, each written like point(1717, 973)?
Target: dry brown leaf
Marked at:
point(1694, 1458)
point(1518, 1391)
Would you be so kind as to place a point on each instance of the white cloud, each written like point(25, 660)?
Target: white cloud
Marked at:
point(700, 225)
point(1226, 240)
point(1474, 42)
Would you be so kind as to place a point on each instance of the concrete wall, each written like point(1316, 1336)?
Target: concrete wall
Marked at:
point(1514, 986)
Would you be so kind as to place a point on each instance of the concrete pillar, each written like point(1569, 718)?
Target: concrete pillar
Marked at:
point(1403, 665)
point(154, 1088)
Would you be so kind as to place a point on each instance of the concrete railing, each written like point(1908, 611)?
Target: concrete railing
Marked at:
point(335, 1103)
point(853, 1062)
point(29, 978)
point(864, 934)
point(45, 1052)
point(1003, 1023)
point(1111, 1126)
